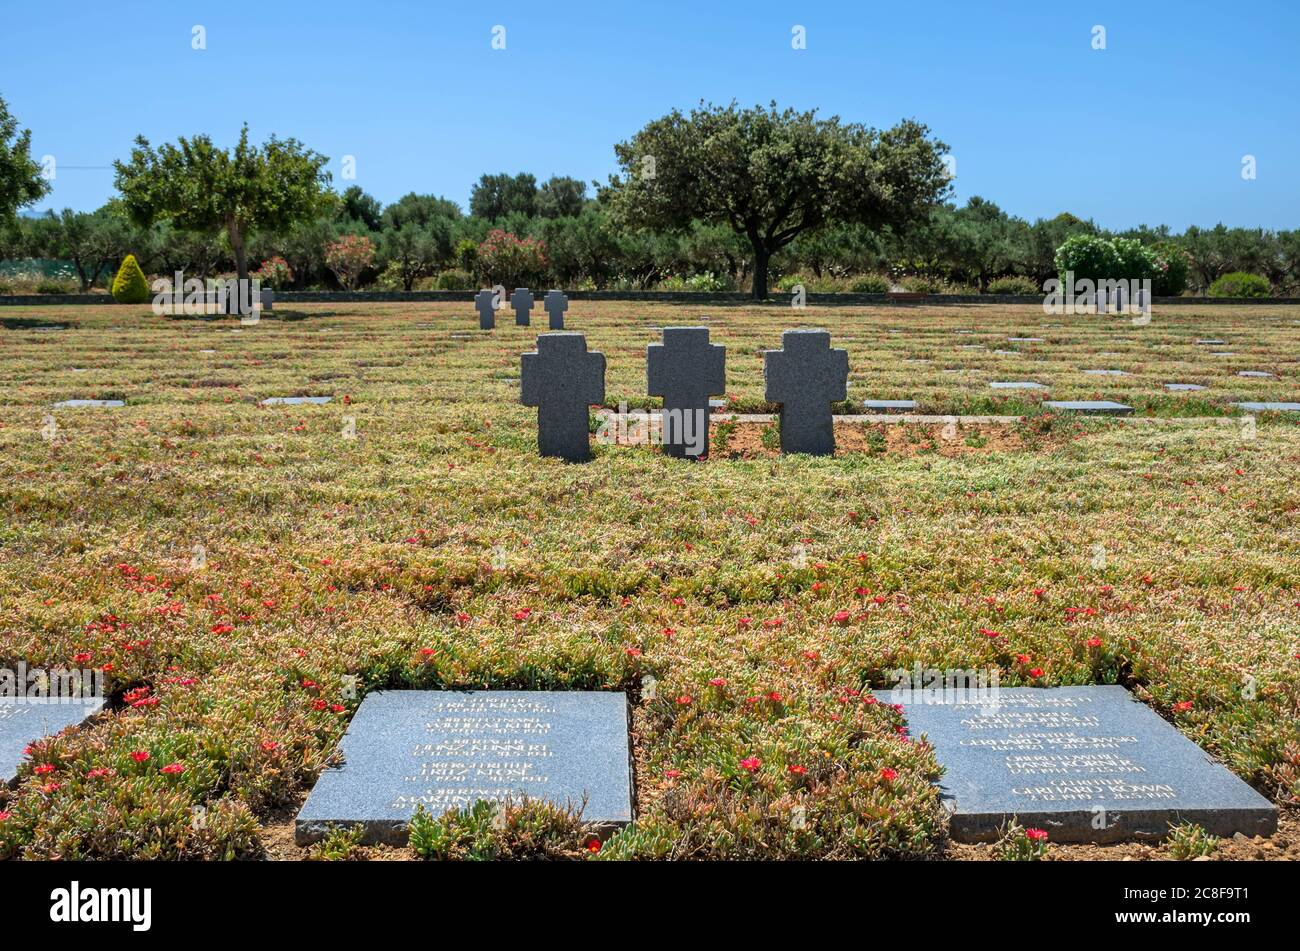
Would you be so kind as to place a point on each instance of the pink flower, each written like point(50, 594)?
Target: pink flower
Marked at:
point(751, 764)
point(140, 756)
point(1036, 835)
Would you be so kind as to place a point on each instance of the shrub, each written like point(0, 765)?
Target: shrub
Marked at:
point(1087, 256)
point(506, 259)
point(916, 284)
point(1241, 284)
point(1014, 284)
point(1134, 261)
point(870, 284)
point(274, 273)
point(1172, 269)
point(130, 286)
point(455, 280)
point(348, 257)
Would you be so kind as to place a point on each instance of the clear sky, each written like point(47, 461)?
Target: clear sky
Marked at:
point(1151, 129)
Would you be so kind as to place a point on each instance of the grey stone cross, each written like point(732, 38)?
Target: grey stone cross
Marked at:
point(686, 370)
point(487, 315)
point(562, 379)
point(805, 377)
point(555, 304)
point(522, 301)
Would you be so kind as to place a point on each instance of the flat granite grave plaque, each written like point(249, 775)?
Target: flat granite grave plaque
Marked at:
point(24, 720)
point(1259, 374)
point(1106, 372)
point(1017, 385)
point(1088, 764)
point(296, 400)
point(1184, 387)
point(1092, 407)
point(889, 406)
point(449, 749)
point(1269, 407)
point(84, 404)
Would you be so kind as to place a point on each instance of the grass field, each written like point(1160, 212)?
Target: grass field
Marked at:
point(764, 595)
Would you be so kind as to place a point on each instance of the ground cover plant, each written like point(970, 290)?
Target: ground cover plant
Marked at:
point(246, 574)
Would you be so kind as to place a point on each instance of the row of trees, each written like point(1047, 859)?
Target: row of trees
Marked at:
point(718, 198)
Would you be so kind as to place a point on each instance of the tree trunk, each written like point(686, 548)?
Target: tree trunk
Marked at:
point(761, 258)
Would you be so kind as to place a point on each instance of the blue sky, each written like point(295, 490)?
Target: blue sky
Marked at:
point(1152, 129)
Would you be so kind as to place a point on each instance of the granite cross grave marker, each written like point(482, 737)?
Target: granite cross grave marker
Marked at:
point(561, 378)
point(686, 370)
point(485, 304)
point(805, 376)
point(522, 301)
point(555, 304)
point(450, 749)
point(1087, 764)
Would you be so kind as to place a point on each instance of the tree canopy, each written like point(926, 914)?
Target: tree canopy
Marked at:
point(200, 187)
point(21, 182)
point(773, 175)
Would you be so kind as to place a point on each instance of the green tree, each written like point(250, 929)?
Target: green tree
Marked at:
point(21, 181)
point(93, 242)
point(495, 196)
point(773, 175)
point(412, 252)
point(420, 210)
point(130, 286)
point(561, 197)
point(200, 187)
point(986, 243)
point(355, 205)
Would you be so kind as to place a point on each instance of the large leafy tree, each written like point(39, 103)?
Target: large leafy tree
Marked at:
point(199, 187)
point(94, 242)
point(495, 196)
point(21, 182)
point(773, 175)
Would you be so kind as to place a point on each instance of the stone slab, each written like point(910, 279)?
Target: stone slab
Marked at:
point(1106, 372)
point(1088, 764)
point(1017, 385)
point(1094, 407)
point(450, 749)
point(295, 400)
point(889, 406)
point(1269, 407)
point(81, 404)
point(24, 720)
point(1184, 387)
point(1257, 374)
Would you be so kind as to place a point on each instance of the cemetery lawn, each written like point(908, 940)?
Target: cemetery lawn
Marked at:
point(766, 596)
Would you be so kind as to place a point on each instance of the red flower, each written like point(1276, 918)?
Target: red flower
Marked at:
point(841, 617)
point(4, 814)
point(83, 657)
point(684, 701)
point(140, 756)
point(888, 775)
point(522, 614)
point(1183, 706)
point(718, 682)
point(751, 764)
point(98, 773)
point(1036, 672)
point(672, 773)
point(633, 652)
point(990, 634)
point(1036, 835)
point(44, 769)
point(173, 769)
point(593, 846)
point(269, 746)
point(797, 770)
